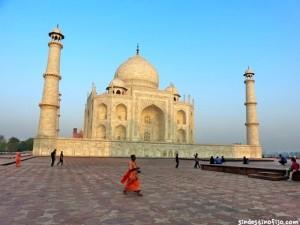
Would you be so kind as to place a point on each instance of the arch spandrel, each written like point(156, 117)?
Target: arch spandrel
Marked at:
point(159, 104)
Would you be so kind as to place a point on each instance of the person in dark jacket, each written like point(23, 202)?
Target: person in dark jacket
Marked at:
point(61, 159)
point(218, 160)
point(245, 160)
point(177, 160)
point(282, 160)
point(53, 155)
point(197, 165)
point(223, 159)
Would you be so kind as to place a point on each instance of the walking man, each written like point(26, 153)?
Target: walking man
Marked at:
point(197, 165)
point(53, 155)
point(61, 159)
point(177, 160)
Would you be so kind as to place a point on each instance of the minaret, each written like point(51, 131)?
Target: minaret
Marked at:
point(50, 100)
point(58, 115)
point(252, 124)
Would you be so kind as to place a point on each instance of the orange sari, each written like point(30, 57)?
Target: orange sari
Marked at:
point(130, 178)
point(18, 159)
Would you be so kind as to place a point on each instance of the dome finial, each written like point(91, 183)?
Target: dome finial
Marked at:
point(137, 49)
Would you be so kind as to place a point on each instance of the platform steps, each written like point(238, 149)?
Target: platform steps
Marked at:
point(269, 176)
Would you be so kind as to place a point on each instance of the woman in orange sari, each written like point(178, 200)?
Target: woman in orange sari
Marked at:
point(131, 179)
point(18, 159)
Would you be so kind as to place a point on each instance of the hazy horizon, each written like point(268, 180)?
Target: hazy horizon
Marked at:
point(203, 48)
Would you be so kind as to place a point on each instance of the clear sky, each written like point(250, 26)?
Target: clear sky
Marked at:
point(203, 47)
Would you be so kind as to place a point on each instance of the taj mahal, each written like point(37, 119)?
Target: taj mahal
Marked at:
point(134, 109)
point(133, 116)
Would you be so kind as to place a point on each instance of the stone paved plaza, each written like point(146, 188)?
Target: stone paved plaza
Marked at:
point(88, 191)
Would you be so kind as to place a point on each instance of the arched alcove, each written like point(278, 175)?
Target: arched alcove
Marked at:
point(102, 112)
point(121, 112)
point(101, 132)
point(120, 133)
point(181, 117)
point(152, 124)
point(181, 136)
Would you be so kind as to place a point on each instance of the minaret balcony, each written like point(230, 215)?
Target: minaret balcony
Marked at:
point(52, 42)
point(250, 103)
point(48, 105)
point(252, 124)
point(52, 74)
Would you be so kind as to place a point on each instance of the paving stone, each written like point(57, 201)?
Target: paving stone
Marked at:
point(87, 191)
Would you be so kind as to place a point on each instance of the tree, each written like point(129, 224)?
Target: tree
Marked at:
point(22, 146)
point(12, 144)
point(29, 143)
point(2, 143)
point(26, 145)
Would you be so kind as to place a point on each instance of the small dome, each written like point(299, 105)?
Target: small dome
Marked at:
point(172, 89)
point(56, 30)
point(117, 83)
point(139, 72)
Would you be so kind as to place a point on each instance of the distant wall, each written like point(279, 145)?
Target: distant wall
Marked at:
point(100, 148)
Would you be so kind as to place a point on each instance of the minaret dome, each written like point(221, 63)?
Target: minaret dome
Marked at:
point(249, 73)
point(56, 34)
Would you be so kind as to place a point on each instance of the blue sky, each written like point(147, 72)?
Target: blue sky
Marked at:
point(203, 47)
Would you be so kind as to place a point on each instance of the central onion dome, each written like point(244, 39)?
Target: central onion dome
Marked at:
point(137, 71)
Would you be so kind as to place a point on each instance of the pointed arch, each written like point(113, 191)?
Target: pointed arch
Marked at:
point(181, 136)
point(181, 117)
point(147, 136)
point(152, 124)
point(121, 112)
point(101, 132)
point(102, 112)
point(120, 132)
